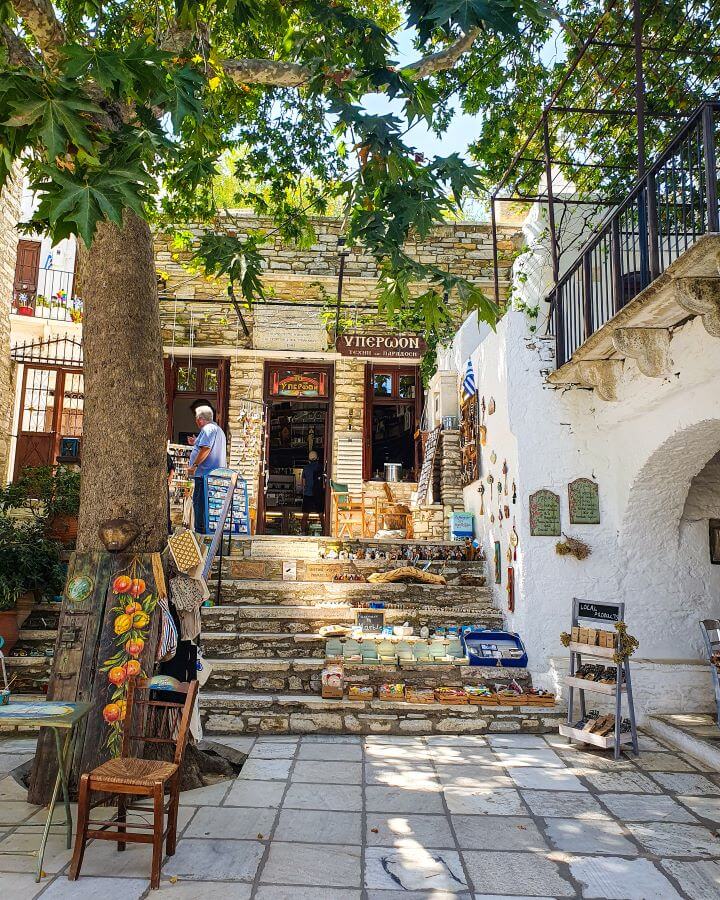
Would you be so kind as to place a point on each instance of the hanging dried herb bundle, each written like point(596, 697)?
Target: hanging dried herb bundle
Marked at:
point(626, 643)
point(573, 547)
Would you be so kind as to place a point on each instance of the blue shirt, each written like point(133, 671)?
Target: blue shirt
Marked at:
point(212, 436)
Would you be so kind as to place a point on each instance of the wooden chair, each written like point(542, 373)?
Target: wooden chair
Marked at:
point(147, 721)
point(348, 511)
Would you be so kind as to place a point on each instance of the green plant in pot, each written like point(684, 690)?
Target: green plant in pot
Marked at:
point(29, 563)
point(51, 494)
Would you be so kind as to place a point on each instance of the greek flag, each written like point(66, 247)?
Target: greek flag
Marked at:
point(468, 385)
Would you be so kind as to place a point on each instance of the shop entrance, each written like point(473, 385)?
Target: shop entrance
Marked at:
point(193, 383)
point(298, 438)
point(393, 407)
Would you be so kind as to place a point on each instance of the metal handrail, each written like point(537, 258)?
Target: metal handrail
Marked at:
point(217, 543)
point(639, 216)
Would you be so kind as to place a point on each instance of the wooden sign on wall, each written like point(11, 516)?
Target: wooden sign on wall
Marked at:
point(584, 502)
point(382, 345)
point(544, 514)
point(428, 464)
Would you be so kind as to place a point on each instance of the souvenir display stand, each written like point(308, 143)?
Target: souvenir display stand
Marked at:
point(216, 487)
point(599, 644)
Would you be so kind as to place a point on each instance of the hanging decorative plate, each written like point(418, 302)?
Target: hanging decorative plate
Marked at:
point(493, 457)
point(483, 434)
point(491, 406)
point(80, 588)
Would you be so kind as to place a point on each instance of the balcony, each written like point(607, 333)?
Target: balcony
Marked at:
point(50, 295)
point(651, 263)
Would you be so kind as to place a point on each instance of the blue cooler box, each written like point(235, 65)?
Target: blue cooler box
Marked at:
point(485, 648)
point(461, 526)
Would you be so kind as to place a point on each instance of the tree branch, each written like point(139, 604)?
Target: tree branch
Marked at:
point(40, 20)
point(288, 74)
point(18, 51)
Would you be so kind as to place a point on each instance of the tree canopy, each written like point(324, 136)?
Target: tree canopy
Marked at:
point(115, 106)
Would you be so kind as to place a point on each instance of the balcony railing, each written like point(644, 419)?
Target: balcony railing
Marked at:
point(667, 211)
point(51, 297)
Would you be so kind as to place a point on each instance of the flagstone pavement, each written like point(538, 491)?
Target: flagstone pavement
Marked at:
point(379, 818)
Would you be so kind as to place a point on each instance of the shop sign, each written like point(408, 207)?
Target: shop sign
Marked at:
point(384, 346)
point(544, 514)
point(291, 383)
point(607, 612)
point(584, 502)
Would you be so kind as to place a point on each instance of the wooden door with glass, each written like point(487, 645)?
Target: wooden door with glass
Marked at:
point(393, 408)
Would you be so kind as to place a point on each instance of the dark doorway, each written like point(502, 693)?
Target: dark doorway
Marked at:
point(201, 382)
point(393, 407)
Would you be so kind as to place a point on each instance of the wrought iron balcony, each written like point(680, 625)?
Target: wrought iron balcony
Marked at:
point(669, 210)
point(50, 295)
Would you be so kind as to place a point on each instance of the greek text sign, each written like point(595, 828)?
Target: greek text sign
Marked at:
point(544, 514)
point(584, 502)
point(386, 346)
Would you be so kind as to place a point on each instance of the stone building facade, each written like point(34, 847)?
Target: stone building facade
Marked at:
point(295, 325)
point(10, 205)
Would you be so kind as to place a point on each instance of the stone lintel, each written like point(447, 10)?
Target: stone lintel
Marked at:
point(649, 347)
point(700, 296)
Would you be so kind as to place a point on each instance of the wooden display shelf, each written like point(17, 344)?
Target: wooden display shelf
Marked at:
point(585, 684)
point(606, 742)
point(593, 650)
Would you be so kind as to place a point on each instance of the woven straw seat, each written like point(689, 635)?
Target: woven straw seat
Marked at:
point(135, 772)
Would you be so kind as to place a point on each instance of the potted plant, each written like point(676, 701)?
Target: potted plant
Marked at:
point(51, 495)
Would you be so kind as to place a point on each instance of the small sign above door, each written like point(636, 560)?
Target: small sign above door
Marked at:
point(384, 346)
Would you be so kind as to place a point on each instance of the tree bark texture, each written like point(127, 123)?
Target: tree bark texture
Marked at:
point(124, 471)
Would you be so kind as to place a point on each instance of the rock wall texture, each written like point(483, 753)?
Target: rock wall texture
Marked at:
point(10, 202)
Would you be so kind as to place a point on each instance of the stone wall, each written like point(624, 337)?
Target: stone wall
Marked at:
point(245, 414)
point(10, 200)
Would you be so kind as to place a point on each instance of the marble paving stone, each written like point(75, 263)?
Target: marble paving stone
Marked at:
point(329, 796)
point(457, 740)
point(498, 802)
point(243, 744)
point(498, 833)
point(319, 826)
point(417, 895)
point(398, 830)
point(102, 858)
point(317, 864)
point(400, 800)
point(646, 808)
point(669, 839)
point(622, 782)
point(589, 836)
point(280, 739)
point(198, 890)
point(415, 777)
point(525, 741)
point(524, 874)
point(518, 756)
point(478, 777)
point(214, 860)
point(462, 755)
point(11, 790)
point(10, 761)
point(272, 751)
point(602, 760)
point(265, 770)
point(312, 771)
point(680, 783)
point(20, 887)
point(282, 892)
point(705, 807)
point(18, 745)
point(206, 796)
point(394, 740)
point(13, 812)
point(699, 878)
point(328, 738)
point(331, 751)
point(663, 762)
point(90, 888)
point(505, 897)
point(225, 822)
point(56, 852)
point(383, 753)
point(557, 805)
point(255, 794)
point(414, 869)
point(546, 779)
point(612, 878)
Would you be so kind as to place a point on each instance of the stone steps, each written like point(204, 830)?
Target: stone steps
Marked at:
point(271, 568)
point(280, 713)
point(303, 674)
point(239, 591)
point(240, 619)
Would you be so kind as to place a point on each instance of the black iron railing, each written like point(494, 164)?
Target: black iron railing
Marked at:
point(51, 295)
point(667, 211)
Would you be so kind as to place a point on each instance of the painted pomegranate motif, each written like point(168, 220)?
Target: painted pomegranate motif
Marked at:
point(122, 584)
point(137, 588)
point(111, 713)
point(123, 623)
point(135, 647)
point(117, 675)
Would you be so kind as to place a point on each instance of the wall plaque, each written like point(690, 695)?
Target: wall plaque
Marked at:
point(606, 612)
point(584, 502)
point(544, 514)
point(379, 344)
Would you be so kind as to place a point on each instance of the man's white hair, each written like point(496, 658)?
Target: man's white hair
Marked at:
point(205, 413)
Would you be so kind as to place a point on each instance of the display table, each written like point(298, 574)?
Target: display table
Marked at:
point(58, 716)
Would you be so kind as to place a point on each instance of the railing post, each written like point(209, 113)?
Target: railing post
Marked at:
point(616, 262)
point(559, 328)
point(587, 295)
point(708, 137)
point(652, 224)
point(642, 232)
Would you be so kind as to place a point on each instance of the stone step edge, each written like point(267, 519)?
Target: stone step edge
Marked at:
point(683, 742)
point(344, 607)
point(392, 587)
point(302, 662)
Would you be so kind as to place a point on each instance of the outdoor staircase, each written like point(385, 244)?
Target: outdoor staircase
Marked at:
point(266, 654)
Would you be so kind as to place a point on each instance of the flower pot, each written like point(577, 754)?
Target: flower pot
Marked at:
point(25, 311)
point(63, 528)
point(9, 630)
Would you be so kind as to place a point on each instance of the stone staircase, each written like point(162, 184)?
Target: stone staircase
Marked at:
point(266, 654)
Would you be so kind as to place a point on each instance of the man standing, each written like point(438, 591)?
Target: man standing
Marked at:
point(209, 452)
point(312, 490)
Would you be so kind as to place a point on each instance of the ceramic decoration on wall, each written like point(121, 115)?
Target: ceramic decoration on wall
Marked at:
point(584, 502)
point(545, 514)
point(498, 563)
point(491, 406)
point(511, 589)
